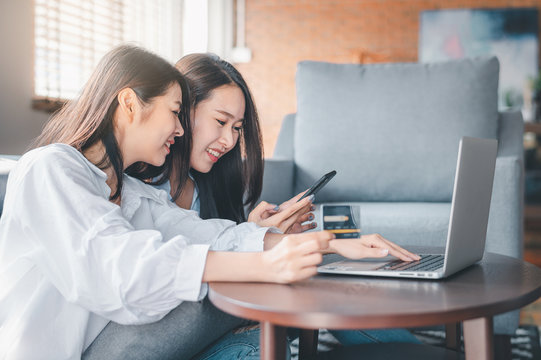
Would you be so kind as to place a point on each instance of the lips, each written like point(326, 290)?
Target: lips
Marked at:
point(214, 154)
point(168, 145)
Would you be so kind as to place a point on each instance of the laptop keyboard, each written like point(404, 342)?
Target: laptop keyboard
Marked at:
point(427, 263)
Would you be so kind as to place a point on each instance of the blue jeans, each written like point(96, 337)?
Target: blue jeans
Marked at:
point(243, 343)
point(357, 337)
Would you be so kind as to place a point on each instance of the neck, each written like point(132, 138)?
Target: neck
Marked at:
point(185, 199)
point(95, 155)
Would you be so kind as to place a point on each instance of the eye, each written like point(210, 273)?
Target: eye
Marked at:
point(238, 128)
point(177, 114)
point(222, 123)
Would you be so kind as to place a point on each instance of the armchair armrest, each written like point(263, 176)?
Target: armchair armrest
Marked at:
point(505, 221)
point(6, 164)
point(505, 226)
point(3, 184)
point(510, 134)
point(278, 180)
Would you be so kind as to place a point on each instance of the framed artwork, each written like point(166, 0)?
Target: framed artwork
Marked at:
point(509, 34)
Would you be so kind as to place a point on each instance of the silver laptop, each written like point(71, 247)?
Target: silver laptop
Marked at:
point(467, 225)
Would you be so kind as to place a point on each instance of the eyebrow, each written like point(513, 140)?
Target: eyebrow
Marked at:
point(228, 114)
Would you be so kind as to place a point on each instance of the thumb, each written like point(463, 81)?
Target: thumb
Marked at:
point(256, 213)
point(265, 206)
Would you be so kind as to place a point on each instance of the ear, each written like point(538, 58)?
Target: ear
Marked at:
point(127, 103)
point(192, 116)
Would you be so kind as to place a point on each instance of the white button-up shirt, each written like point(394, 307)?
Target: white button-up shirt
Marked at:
point(71, 260)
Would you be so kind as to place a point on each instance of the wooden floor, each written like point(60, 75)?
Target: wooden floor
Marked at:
point(531, 314)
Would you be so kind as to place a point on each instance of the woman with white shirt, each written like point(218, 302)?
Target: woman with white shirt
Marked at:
point(82, 243)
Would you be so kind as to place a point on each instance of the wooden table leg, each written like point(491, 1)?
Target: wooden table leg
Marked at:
point(308, 344)
point(452, 336)
point(478, 339)
point(272, 341)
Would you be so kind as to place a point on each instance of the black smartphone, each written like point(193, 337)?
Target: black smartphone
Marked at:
point(319, 184)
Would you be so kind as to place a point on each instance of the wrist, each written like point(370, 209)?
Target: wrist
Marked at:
point(271, 239)
point(263, 268)
point(330, 249)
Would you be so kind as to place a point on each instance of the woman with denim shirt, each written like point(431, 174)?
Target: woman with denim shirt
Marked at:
point(225, 126)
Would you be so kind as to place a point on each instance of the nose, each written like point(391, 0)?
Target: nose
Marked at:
point(227, 139)
point(179, 130)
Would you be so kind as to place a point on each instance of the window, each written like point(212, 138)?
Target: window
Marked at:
point(71, 36)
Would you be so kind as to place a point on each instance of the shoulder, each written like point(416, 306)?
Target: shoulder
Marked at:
point(166, 186)
point(55, 161)
point(51, 154)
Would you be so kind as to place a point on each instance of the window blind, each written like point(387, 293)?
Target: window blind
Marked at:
point(71, 36)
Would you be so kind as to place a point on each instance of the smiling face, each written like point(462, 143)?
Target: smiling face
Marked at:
point(217, 125)
point(153, 128)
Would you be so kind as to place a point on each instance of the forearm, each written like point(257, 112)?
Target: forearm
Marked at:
point(234, 266)
point(292, 258)
point(271, 239)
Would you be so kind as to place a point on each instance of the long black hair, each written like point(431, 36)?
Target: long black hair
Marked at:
point(88, 119)
point(236, 179)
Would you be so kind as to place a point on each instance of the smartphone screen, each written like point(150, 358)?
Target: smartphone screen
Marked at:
point(318, 185)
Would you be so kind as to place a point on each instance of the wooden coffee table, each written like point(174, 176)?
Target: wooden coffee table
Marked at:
point(496, 285)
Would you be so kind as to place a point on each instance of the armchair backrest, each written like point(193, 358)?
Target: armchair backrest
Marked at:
point(390, 130)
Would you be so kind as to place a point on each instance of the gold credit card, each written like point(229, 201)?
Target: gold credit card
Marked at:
point(342, 220)
point(335, 218)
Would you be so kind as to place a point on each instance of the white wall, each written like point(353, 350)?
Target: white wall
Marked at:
point(19, 124)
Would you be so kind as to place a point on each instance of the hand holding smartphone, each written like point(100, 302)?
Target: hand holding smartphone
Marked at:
point(318, 185)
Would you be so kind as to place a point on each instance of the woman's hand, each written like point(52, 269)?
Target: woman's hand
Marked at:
point(374, 246)
point(296, 256)
point(288, 217)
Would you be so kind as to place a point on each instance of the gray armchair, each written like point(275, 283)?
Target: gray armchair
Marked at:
point(392, 131)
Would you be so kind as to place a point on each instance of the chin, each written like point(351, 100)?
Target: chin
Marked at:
point(156, 162)
point(202, 169)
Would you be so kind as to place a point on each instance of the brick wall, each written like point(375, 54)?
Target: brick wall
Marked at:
point(281, 33)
